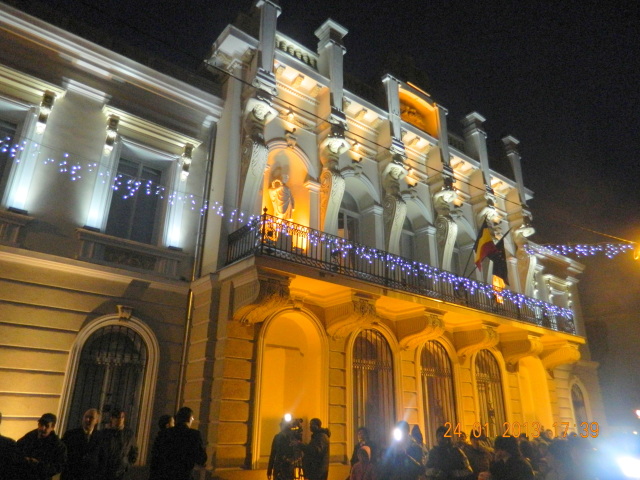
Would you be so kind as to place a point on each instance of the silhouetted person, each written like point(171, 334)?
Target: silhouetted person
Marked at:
point(82, 443)
point(284, 458)
point(509, 464)
point(363, 469)
point(364, 440)
point(166, 421)
point(8, 456)
point(42, 453)
point(403, 459)
point(177, 449)
point(117, 449)
point(315, 462)
point(446, 461)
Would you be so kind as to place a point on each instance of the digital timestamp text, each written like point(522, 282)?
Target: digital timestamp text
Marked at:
point(530, 429)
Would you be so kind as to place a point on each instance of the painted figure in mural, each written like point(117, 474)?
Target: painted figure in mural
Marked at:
point(282, 198)
point(43, 453)
point(82, 443)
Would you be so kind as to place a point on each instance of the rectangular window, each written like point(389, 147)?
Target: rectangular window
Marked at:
point(7, 143)
point(134, 208)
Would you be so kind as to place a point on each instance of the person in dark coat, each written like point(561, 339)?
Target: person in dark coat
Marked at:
point(82, 443)
point(403, 459)
point(447, 461)
point(315, 462)
point(285, 456)
point(9, 456)
point(42, 453)
point(117, 448)
point(509, 463)
point(177, 450)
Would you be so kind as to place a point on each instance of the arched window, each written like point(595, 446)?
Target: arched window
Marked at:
point(373, 399)
point(437, 386)
point(110, 374)
point(579, 407)
point(490, 394)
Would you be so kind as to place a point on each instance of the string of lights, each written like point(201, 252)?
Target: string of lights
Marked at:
point(610, 250)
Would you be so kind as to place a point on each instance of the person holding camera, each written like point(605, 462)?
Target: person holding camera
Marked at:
point(286, 457)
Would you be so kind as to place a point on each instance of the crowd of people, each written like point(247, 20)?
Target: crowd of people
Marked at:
point(453, 457)
point(456, 457)
point(87, 453)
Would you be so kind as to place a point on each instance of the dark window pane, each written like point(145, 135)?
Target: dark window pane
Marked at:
point(7, 141)
point(134, 204)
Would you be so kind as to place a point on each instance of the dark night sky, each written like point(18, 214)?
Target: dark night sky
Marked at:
point(562, 77)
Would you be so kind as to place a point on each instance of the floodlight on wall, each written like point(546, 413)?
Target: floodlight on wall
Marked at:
point(185, 160)
point(48, 98)
point(112, 133)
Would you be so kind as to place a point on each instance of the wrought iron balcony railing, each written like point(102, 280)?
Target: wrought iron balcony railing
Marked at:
point(271, 236)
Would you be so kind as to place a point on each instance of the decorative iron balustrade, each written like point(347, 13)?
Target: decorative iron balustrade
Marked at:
point(271, 236)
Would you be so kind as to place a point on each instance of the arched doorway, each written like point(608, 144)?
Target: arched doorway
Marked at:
point(293, 376)
point(110, 374)
point(122, 347)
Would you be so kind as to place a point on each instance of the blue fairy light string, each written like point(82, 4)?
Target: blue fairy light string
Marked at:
point(610, 250)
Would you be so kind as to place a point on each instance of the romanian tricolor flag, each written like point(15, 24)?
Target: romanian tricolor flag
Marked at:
point(484, 245)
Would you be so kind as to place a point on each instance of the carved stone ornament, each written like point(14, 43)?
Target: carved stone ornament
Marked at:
point(272, 295)
point(332, 186)
point(513, 351)
point(363, 314)
point(560, 355)
point(124, 312)
point(446, 234)
point(395, 211)
point(414, 332)
point(444, 202)
point(472, 341)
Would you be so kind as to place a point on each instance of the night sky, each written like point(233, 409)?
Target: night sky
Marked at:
point(562, 77)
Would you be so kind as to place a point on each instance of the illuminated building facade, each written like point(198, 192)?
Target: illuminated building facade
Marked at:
point(266, 238)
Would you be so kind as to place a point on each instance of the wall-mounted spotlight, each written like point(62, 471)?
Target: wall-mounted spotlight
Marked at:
point(112, 133)
point(48, 98)
point(185, 159)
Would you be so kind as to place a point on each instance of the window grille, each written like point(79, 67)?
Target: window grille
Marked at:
point(491, 398)
point(110, 374)
point(373, 401)
point(579, 407)
point(437, 385)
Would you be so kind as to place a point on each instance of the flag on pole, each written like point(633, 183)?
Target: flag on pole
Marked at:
point(499, 259)
point(484, 245)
